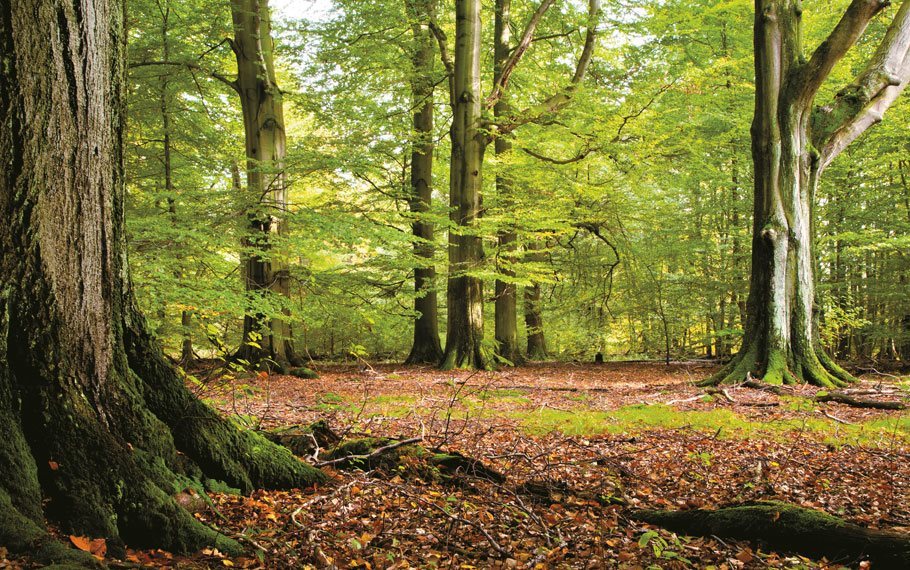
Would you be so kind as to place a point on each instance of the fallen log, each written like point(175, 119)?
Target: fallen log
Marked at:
point(842, 398)
point(785, 527)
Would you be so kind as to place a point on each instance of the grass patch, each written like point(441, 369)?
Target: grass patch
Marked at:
point(728, 424)
point(511, 395)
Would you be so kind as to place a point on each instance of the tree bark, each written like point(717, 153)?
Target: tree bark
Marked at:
point(266, 272)
point(537, 344)
point(426, 348)
point(791, 146)
point(506, 309)
point(464, 335)
point(99, 430)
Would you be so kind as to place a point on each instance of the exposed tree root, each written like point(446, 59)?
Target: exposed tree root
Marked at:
point(778, 367)
point(790, 528)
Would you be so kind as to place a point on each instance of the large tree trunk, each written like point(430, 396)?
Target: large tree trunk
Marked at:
point(266, 271)
point(426, 348)
point(99, 431)
point(792, 143)
point(464, 336)
point(506, 310)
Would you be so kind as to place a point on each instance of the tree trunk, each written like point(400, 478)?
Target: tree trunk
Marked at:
point(266, 272)
point(537, 344)
point(99, 430)
point(792, 142)
point(464, 336)
point(426, 348)
point(506, 310)
point(186, 348)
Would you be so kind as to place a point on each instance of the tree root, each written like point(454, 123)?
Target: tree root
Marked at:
point(776, 367)
point(842, 398)
point(790, 528)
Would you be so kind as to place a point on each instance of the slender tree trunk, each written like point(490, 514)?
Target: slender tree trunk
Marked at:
point(267, 272)
point(506, 310)
point(792, 142)
point(464, 336)
point(426, 348)
point(99, 431)
point(186, 348)
point(537, 344)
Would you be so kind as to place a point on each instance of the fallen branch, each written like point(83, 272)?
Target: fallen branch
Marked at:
point(721, 392)
point(842, 398)
point(790, 528)
point(837, 419)
point(376, 452)
point(764, 387)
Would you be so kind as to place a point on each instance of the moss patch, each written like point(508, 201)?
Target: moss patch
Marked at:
point(640, 417)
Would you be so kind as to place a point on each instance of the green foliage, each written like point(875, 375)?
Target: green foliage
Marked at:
point(632, 208)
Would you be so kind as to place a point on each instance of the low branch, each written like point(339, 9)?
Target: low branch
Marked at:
point(443, 42)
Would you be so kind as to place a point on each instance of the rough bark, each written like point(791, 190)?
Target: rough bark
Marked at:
point(426, 348)
point(464, 338)
point(266, 272)
point(786, 527)
point(792, 143)
point(506, 309)
point(99, 430)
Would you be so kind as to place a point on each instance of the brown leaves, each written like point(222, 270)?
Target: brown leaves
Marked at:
point(96, 547)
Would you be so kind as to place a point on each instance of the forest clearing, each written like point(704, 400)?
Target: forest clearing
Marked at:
point(454, 284)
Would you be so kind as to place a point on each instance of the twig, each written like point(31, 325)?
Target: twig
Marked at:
point(838, 420)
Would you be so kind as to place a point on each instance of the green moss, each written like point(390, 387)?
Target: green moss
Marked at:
point(640, 417)
point(303, 372)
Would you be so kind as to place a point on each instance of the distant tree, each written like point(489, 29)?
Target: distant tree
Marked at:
point(793, 141)
point(471, 133)
point(98, 428)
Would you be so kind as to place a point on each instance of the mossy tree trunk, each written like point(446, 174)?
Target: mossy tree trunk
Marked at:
point(99, 430)
point(426, 348)
point(506, 310)
point(792, 143)
point(266, 272)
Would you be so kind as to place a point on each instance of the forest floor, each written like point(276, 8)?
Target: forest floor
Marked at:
point(593, 441)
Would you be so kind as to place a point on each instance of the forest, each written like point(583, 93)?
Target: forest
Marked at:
point(455, 284)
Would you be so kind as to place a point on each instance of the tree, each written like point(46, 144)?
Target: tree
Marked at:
point(264, 269)
point(95, 421)
point(426, 348)
point(793, 141)
point(470, 134)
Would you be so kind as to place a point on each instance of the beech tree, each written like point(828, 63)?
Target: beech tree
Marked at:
point(426, 348)
point(99, 429)
point(264, 270)
point(471, 132)
point(793, 141)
